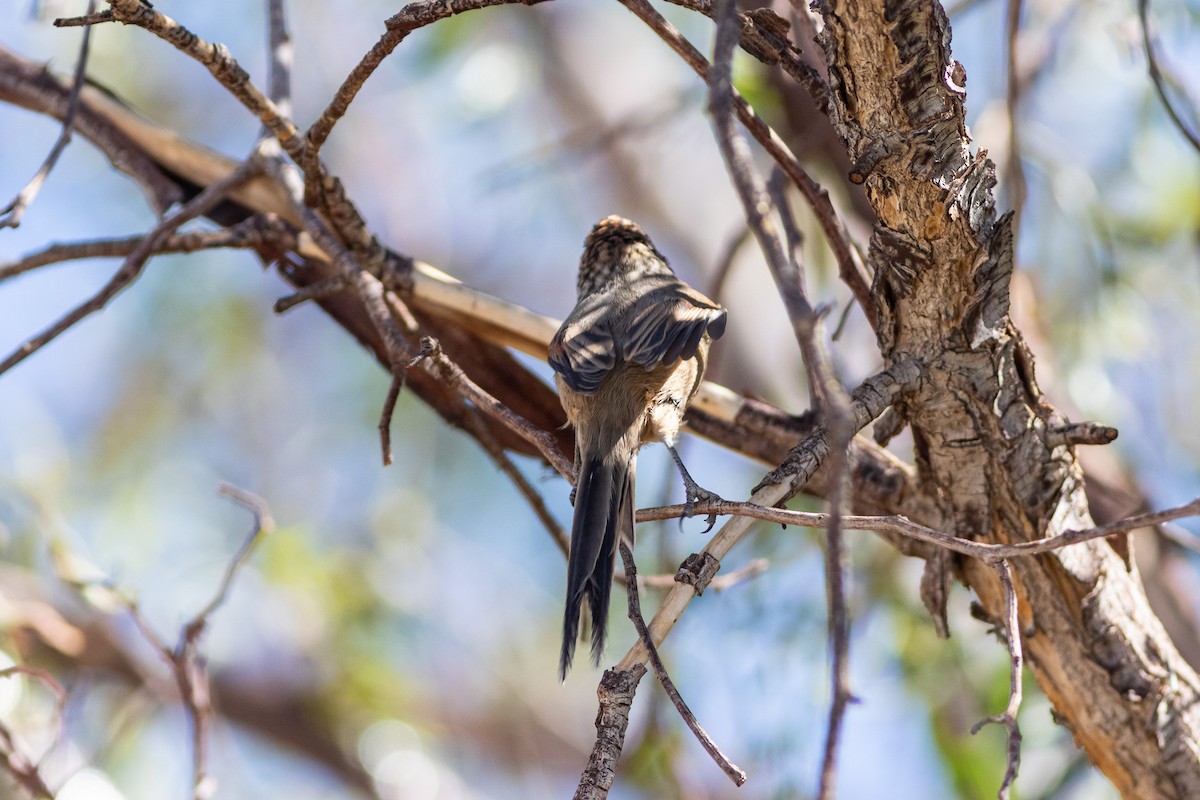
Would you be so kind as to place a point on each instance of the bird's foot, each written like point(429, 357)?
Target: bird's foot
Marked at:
point(694, 493)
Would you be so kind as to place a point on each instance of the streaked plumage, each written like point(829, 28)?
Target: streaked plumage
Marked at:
point(628, 359)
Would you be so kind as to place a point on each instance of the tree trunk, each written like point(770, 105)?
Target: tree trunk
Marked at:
point(993, 460)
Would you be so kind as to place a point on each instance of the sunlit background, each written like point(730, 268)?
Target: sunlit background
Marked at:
point(410, 615)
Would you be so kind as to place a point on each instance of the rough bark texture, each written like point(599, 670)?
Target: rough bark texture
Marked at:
point(986, 459)
point(616, 698)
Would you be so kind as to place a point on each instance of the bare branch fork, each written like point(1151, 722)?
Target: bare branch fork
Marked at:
point(261, 231)
point(902, 526)
point(134, 262)
point(184, 659)
point(453, 375)
point(735, 773)
point(867, 402)
point(850, 264)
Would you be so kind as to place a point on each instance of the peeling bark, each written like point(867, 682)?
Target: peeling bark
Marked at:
point(987, 455)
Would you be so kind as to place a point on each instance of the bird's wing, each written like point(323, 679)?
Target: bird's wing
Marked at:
point(664, 322)
point(667, 323)
point(583, 350)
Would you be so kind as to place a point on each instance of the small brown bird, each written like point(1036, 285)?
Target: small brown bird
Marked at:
point(628, 359)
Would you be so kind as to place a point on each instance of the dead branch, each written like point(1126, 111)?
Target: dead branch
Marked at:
point(10, 215)
point(735, 773)
point(132, 267)
point(1012, 636)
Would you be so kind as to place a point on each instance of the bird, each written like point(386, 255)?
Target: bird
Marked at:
point(627, 361)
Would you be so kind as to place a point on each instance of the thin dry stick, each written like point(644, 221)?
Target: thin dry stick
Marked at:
point(735, 773)
point(1156, 76)
point(777, 188)
point(132, 267)
point(1014, 170)
point(216, 58)
point(408, 19)
point(399, 376)
point(263, 525)
point(453, 375)
point(903, 526)
point(191, 674)
point(334, 284)
point(400, 315)
point(483, 434)
point(1012, 632)
point(833, 402)
point(839, 615)
point(258, 231)
point(718, 584)
point(10, 215)
point(870, 399)
point(850, 264)
point(725, 263)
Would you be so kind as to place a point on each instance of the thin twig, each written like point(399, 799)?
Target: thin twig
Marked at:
point(10, 215)
point(1014, 169)
point(399, 376)
point(450, 372)
point(487, 439)
point(399, 26)
point(132, 267)
point(725, 263)
point(334, 284)
point(777, 188)
point(86, 21)
point(191, 673)
point(839, 615)
point(735, 773)
point(217, 59)
point(261, 230)
point(1156, 76)
point(263, 525)
point(21, 767)
point(850, 263)
point(827, 390)
point(1012, 632)
point(903, 526)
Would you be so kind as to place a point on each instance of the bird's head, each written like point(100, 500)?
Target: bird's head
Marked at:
point(616, 249)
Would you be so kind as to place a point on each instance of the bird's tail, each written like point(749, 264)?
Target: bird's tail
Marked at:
point(603, 515)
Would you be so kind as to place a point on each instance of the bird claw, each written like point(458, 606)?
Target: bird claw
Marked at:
point(698, 494)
